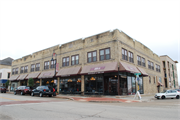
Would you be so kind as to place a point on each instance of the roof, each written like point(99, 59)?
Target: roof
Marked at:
point(6, 61)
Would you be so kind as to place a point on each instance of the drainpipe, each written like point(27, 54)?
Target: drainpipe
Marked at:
point(118, 82)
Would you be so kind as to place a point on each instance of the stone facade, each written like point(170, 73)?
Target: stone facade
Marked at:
point(170, 75)
point(114, 40)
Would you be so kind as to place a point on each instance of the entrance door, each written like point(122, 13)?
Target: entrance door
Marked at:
point(123, 85)
point(110, 85)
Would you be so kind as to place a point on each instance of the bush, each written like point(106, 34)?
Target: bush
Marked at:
point(31, 82)
point(7, 83)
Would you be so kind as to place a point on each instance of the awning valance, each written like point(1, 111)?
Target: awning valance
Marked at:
point(69, 71)
point(47, 74)
point(33, 75)
point(143, 72)
point(22, 77)
point(125, 67)
point(100, 68)
point(13, 77)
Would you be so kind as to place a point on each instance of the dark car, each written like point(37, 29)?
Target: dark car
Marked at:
point(42, 90)
point(2, 89)
point(23, 90)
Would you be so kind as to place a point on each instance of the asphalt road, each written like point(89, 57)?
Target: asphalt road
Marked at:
point(17, 107)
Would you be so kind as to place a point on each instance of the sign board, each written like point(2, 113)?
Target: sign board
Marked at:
point(57, 67)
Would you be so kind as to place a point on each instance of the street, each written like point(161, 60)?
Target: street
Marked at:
point(18, 107)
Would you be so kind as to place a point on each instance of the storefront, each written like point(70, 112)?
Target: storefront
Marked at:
point(22, 79)
point(70, 80)
point(35, 78)
point(13, 82)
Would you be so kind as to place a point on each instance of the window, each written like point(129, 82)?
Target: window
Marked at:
point(13, 71)
point(143, 62)
point(0, 75)
point(105, 54)
point(8, 75)
point(149, 79)
point(16, 72)
point(124, 54)
point(37, 66)
point(32, 67)
point(75, 60)
point(138, 60)
point(158, 68)
point(53, 63)
point(152, 65)
point(65, 61)
point(154, 80)
point(25, 69)
point(22, 69)
point(131, 58)
point(46, 65)
point(149, 64)
point(92, 56)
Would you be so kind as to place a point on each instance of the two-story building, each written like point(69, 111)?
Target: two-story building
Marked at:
point(102, 64)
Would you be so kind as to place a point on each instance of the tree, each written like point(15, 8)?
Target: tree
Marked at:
point(31, 82)
point(7, 83)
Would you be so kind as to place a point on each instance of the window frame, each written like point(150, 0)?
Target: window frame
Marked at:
point(46, 65)
point(152, 65)
point(76, 62)
point(104, 54)
point(138, 60)
point(16, 70)
point(53, 64)
point(91, 56)
point(149, 64)
point(32, 68)
point(37, 66)
point(26, 69)
point(66, 63)
point(124, 56)
point(143, 62)
point(131, 56)
point(22, 71)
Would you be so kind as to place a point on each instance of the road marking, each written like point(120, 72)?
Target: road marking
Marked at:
point(10, 99)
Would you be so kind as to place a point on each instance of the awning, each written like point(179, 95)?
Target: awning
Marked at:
point(14, 77)
point(69, 71)
point(100, 68)
point(125, 67)
point(143, 72)
point(22, 77)
point(33, 75)
point(47, 74)
point(3, 80)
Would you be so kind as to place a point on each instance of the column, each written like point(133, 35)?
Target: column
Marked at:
point(58, 81)
point(40, 82)
point(82, 84)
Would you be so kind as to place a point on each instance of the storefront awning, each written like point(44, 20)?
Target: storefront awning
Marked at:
point(47, 74)
point(13, 77)
point(100, 68)
point(143, 72)
point(22, 77)
point(33, 75)
point(69, 71)
point(125, 67)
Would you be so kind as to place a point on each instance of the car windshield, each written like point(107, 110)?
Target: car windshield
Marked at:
point(164, 91)
point(27, 88)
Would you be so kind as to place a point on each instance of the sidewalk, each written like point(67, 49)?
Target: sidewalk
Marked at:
point(107, 99)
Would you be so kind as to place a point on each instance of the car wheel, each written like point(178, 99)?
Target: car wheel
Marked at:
point(157, 97)
point(21, 93)
point(5, 92)
point(177, 97)
point(40, 94)
point(50, 95)
point(32, 94)
point(14, 93)
point(163, 97)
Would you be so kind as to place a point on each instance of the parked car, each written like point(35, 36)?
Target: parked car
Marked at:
point(2, 89)
point(42, 90)
point(168, 94)
point(178, 90)
point(23, 90)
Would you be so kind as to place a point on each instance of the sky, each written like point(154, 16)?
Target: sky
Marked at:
point(28, 26)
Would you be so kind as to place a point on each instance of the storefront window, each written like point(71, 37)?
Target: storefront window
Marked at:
point(129, 85)
point(94, 84)
point(50, 82)
point(70, 85)
point(140, 83)
point(14, 85)
point(133, 85)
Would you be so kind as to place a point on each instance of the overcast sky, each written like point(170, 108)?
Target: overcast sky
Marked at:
point(28, 26)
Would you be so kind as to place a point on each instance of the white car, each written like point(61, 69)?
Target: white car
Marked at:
point(168, 94)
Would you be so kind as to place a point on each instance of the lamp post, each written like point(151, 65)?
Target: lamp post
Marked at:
point(54, 54)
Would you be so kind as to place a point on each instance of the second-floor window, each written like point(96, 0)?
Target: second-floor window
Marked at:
point(149, 64)
point(75, 60)
point(46, 65)
point(143, 62)
point(32, 67)
point(65, 61)
point(152, 65)
point(124, 54)
point(105, 54)
point(158, 69)
point(131, 57)
point(25, 69)
point(92, 56)
point(139, 60)
point(16, 72)
point(37, 66)
point(13, 71)
point(53, 63)
point(22, 70)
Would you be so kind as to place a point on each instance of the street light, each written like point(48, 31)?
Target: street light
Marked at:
point(54, 54)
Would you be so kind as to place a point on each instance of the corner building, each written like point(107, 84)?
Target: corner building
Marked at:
point(102, 64)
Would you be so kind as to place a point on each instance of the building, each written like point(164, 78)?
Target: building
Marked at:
point(5, 70)
point(102, 64)
point(170, 75)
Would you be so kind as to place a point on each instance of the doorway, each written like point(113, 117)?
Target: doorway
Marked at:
point(110, 85)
